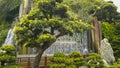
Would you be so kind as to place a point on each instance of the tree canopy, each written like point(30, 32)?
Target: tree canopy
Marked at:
point(6, 6)
point(47, 21)
point(43, 22)
point(87, 9)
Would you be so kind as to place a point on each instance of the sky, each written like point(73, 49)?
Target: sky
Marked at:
point(117, 3)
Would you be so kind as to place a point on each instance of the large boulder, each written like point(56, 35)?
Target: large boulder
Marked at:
point(106, 51)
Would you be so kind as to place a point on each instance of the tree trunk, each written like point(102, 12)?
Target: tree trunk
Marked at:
point(38, 58)
point(39, 54)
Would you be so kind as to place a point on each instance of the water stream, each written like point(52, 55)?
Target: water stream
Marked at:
point(9, 38)
point(23, 9)
point(67, 44)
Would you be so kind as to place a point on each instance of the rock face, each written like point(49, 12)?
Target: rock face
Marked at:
point(106, 51)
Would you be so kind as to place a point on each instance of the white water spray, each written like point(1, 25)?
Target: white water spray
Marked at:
point(9, 38)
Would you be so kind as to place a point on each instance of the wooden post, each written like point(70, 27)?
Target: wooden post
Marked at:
point(96, 34)
point(29, 63)
point(20, 60)
point(45, 61)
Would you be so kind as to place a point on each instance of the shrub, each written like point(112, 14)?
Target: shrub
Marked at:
point(73, 60)
point(115, 65)
point(7, 54)
point(60, 60)
point(7, 48)
point(57, 66)
point(10, 49)
point(70, 63)
point(59, 54)
point(78, 59)
point(94, 60)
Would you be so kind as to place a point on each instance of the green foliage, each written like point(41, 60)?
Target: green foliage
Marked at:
point(73, 60)
point(58, 58)
point(10, 66)
point(69, 61)
point(116, 46)
point(11, 15)
point(94, 60)
point(87, 9)
point(6, 17)
point(108, 30)
point(7, 58)
point(106, 11)
point(7, 54)
point(111, 32)
point(57, 66)
point(59, 54)
point(75, 55)
point(115, 42)
point(81, 8)
point(59, 1)
point(38, 27)
point(115, 65)
point(6, 6)
point(46, 38)
point(78, 59)
point(8, 48)
point(4, 27)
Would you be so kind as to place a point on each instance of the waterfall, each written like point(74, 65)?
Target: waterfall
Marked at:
point(9, 38)
point(67, 44)
point(24, 9)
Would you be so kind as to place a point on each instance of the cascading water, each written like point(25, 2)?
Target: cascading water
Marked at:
point(67, 44)
point(24, 8)
point(9, 38)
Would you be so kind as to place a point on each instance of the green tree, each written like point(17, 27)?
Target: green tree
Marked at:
point(94, 60)
point(82, 8)
point(47, 21)
point(4, 27)
point(6, 6)
point(112, 33)
point(105, 11)
point(60, 60)
point(7, 54)
point(115, 65)
point(108, 30)
point(78, 59)
point(73, 60)
point(8, 11)
point(115, 42)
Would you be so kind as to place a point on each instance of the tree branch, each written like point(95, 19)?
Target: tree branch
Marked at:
point(52, 30)
point(59, 35)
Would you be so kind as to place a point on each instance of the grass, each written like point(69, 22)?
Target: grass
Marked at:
point(10, 66)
